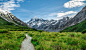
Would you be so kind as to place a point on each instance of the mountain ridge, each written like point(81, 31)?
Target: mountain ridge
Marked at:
point(42, 24)
point(12, 19)
point(62, 23)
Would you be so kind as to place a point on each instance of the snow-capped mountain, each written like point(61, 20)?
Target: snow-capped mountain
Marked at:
point(36, 22)
point(11, 18)
point(47, 25)
point(56, 26)
point(79, 17)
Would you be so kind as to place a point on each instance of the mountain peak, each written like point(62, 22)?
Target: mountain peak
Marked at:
point(35, 17)
point(4, 11)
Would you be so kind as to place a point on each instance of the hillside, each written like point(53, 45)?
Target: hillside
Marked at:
point(11, 23)
point(10, 26)
point(76, 28)
point(11, 37)
point(77, 23)
point(13, 27)
point(12, 19)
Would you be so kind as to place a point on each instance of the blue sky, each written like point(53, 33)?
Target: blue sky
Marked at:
point(46, 9)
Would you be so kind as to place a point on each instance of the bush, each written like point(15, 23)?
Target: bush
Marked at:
point(40, 30)
point(34, 29)
point(3, 31)
point(7, 23)
point(84, 31)
point(35, 42)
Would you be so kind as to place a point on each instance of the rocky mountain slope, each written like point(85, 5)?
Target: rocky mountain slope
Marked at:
point(55, 26)
point(80, 27)
point(47, 25)
point(79, 17)
point(12, 19)
point(72, 25)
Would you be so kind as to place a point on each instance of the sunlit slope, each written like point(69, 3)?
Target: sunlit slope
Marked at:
point(12, 27)
point(7, 25)
point(76, 28)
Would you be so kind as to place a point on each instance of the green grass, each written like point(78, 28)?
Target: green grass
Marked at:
point(44, 40)
point(3, 31)
point(76, 28)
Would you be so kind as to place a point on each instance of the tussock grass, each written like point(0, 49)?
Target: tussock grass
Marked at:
point(3, 31)
point(44, 40)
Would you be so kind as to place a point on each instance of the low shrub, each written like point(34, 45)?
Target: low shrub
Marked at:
point(84, 31)
point(35, 42)
point(3, 31)
point(40, 30)
point(34, 29)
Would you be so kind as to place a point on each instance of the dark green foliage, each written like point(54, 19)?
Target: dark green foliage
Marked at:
point(40, 30)
point(83, 45)
point(72, 42)
point(3, 22)
point(3, 31)
point(35, 43)
point(84, 31)
point(17, 23)
point(76, 28)
point(34, 29)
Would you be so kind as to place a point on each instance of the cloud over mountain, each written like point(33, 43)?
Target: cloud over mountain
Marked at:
point(65, 13)
point(74, 3)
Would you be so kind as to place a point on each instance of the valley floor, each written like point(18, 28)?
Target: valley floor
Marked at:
point(44, 40)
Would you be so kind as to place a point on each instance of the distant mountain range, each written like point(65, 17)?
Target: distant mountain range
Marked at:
point(47, 25)
point(57, 25)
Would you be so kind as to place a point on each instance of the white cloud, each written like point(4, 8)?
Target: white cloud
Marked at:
point(9, 5)
point(74, 3)
point(65, 13)
point(78, 0)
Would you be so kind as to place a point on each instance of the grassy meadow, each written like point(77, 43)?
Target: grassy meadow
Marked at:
point(12, 40)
